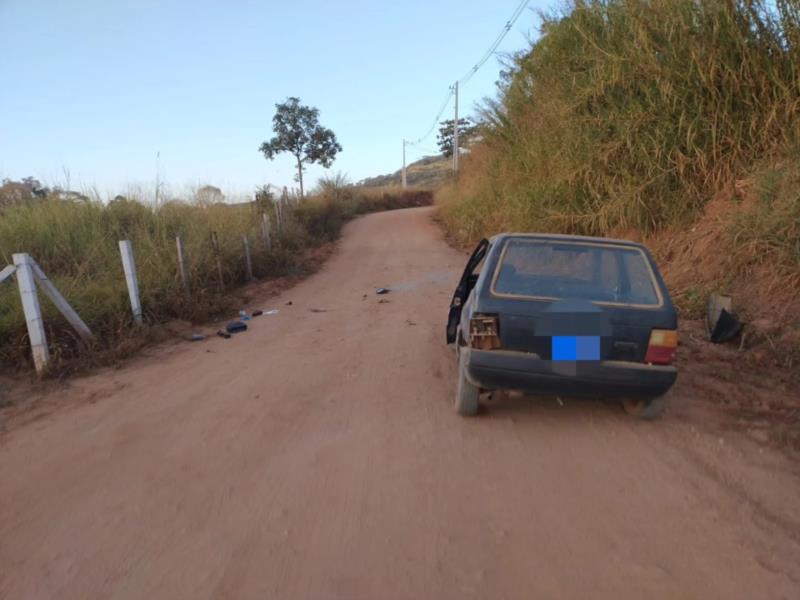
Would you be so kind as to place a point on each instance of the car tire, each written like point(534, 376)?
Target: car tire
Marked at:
point(646, 409)
point(466, 393)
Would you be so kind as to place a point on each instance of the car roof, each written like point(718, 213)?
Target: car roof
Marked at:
point(562, 237)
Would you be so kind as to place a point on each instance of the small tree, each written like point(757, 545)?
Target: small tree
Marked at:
point(208, 195)
point(264, 197)
point(444, 138)
point(297, 131)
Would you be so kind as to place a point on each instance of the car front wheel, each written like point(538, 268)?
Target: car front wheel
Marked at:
point(466, 393)
point(646, 409)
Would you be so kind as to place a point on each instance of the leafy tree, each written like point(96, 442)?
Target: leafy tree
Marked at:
point(444, 138)
point(208, 195)
point(297, 131)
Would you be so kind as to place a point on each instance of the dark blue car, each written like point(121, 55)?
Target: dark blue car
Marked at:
point(564, 315)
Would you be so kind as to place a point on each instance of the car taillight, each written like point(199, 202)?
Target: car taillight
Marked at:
point(484, 333)
point(662, 347)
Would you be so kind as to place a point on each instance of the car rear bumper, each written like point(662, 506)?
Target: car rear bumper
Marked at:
point(506, 370)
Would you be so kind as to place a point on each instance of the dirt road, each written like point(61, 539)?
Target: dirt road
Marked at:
point(318, 455)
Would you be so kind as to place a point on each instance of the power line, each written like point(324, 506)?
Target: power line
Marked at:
point(422, 148)
point(488, 54)
point(436, 119)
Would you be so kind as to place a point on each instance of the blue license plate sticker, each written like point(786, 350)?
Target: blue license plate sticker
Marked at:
point(576, 347)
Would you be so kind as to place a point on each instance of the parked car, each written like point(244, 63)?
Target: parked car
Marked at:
point(563, 315)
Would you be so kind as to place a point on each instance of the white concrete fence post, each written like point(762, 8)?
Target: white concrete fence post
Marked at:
point(248, 263)
point(265, 230)
point(7, 272)
point(60, 302)
point(129, 265)
point(182, 265)
point(33, 312)
point(28, 275)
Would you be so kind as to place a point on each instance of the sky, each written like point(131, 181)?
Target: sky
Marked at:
point(100, 94)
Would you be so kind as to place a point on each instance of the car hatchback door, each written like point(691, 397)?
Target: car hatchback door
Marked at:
point(465, 285)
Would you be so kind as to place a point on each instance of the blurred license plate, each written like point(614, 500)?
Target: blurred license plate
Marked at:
point(575, 347)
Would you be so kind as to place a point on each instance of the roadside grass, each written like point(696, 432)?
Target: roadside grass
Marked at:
point(631, 114)
point(75, 243)
point(767, 229)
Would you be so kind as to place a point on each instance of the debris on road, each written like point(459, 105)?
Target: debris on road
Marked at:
point(243, 315)
point(258, 313)
point(380, 291)
point(318, 310)
point(722, 322)
point(289, 303)
point(235, 327)
point(197, 337)
point(409, 322)
point(383, 301)
point(224, 334)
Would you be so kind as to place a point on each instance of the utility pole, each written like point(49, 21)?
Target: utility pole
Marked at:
point(405, 183)
point(455, 135)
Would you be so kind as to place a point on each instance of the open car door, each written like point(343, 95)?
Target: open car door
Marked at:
point(465, 285)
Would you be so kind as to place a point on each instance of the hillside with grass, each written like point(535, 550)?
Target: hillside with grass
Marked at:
point(676, 122)
point(430, 172)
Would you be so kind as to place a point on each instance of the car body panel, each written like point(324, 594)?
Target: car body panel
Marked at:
point(524, 371)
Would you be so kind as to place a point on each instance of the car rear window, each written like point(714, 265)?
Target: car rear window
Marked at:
point(589, 271)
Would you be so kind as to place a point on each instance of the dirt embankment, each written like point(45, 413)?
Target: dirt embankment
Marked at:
point(755, 376)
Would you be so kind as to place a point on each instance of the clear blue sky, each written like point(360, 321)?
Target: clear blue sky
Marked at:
point(97, 87)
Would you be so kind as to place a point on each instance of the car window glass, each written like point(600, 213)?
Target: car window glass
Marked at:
point(575, 270)
point(641, 289)
point(609, 271)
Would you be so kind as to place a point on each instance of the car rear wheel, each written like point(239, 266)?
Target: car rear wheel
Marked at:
point(466, 393)
point(645, 409)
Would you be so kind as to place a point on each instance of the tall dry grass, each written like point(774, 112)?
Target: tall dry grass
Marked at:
point(630, 114)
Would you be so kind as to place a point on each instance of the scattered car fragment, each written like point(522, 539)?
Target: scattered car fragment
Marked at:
point(722, 322)
point(236, 327)
point(564, 315)
point(381, 291)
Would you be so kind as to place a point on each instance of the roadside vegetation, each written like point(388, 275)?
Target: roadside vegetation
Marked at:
point(74, 240)
point(676, 122)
